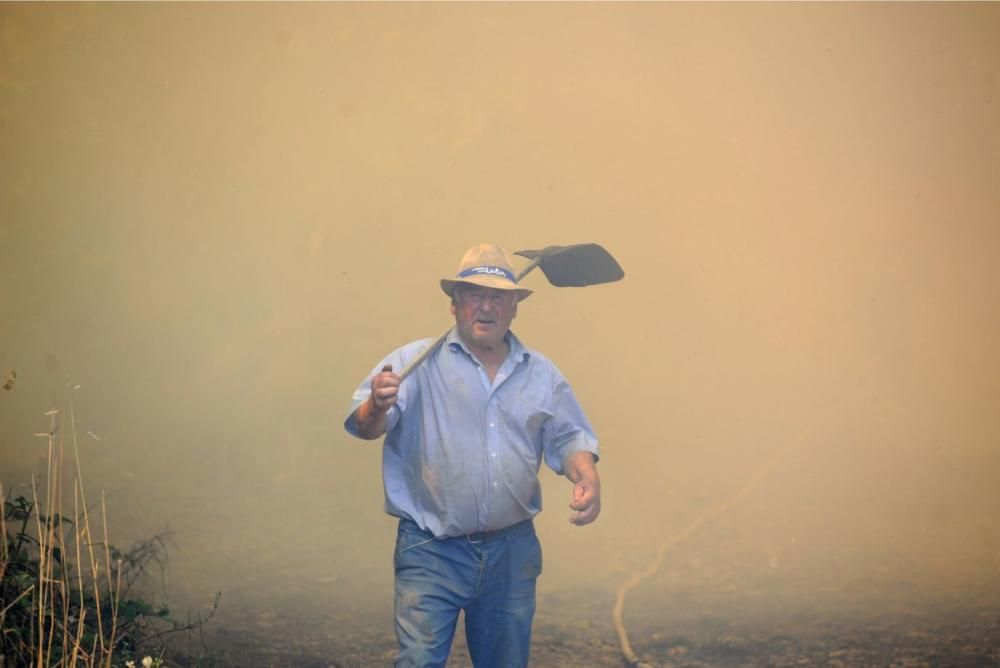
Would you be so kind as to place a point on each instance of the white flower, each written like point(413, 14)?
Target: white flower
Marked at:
point(147, 662)
point(130, 664)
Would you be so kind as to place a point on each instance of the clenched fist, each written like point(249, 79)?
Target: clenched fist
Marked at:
point(385, 388)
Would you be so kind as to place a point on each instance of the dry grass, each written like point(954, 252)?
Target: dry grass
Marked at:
point(66, 612)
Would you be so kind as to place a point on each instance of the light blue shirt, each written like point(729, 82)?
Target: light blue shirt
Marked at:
point(462, 454)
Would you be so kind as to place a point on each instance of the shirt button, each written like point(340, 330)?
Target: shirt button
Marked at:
point(494, 484)
point(493, 454)
point(492, 424)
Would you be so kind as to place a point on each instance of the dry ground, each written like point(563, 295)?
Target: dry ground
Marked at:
point(683, 628)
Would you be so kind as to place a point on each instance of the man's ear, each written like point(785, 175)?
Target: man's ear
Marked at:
point(453, 307)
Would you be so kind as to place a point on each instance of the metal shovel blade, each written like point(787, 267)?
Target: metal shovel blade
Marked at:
point(576, 266)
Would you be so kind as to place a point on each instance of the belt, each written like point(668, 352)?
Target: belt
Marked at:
point(486, 536)
point(476, 536)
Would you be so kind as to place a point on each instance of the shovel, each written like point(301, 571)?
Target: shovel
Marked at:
point(565, 266)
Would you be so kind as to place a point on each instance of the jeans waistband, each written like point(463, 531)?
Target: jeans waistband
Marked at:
point(478, 536)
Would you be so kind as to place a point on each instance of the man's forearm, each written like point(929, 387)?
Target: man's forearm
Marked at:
point(371, 421)
point(579, 466)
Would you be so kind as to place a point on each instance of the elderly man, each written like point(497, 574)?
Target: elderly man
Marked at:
point(464, 439)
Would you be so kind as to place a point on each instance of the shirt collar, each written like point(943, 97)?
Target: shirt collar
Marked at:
point(515, 349)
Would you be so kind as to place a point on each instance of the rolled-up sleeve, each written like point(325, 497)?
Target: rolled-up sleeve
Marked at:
point(568, 431)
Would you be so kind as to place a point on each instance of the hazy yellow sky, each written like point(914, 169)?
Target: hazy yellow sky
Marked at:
point(216, 218)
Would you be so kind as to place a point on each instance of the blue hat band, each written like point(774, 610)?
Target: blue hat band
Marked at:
point(488, 271)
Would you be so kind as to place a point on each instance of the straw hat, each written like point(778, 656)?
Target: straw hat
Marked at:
point(489, 266)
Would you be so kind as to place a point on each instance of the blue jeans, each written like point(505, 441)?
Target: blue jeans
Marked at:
point(491, 576)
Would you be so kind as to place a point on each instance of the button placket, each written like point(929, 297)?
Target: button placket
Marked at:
point(492, 446)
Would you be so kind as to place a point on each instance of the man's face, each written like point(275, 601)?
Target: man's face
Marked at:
point(483, 315)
